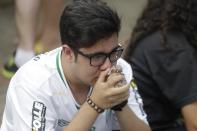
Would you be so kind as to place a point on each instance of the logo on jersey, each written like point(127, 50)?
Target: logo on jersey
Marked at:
point(38, 116)
point(36, 58)
point(62, 122)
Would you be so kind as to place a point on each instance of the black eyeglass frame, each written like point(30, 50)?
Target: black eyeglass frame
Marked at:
point(118, 49)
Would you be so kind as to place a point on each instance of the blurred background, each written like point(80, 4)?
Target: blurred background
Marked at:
point(128, 10)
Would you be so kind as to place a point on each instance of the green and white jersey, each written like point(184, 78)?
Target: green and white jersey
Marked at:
point(39, 98)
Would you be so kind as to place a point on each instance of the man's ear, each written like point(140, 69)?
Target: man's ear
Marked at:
point(68, 53)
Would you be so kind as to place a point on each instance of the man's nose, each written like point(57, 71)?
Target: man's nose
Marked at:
point(107, 64)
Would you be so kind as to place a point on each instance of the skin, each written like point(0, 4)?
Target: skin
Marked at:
point(190, 116)
point(26, 16)
point(50, 35)
point(80, 75)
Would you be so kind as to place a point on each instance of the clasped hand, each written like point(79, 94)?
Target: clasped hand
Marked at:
point(106, 94)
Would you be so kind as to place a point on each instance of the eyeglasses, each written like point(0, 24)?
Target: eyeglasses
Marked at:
point(98, 59)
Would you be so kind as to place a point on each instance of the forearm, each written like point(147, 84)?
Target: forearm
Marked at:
point(191, 128)
point(83, 120)
point(191, 125)
point(189, 113)
point(130, 122)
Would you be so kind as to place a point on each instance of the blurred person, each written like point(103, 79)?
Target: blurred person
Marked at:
point(27, 21)
point(69, 88)
point(163, 55)
point(50, 38)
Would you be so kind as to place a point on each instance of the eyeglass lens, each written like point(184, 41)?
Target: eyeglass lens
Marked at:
point(100, 59)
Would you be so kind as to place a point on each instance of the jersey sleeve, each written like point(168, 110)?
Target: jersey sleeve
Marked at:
point(135, 101)
point(27, 108)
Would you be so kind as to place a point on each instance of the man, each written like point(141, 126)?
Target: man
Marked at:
point(69, 89)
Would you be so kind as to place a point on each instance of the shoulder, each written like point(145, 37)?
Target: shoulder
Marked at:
point(150, 42)
point(37, 72)
point(175, 40)
point(152, 50)
point(126, 68)
point(123, 63)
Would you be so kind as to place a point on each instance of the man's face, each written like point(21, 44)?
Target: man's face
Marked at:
point(88, 70)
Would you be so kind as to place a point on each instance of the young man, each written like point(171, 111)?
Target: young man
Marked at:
point(67, 89)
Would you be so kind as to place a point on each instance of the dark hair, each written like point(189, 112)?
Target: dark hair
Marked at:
point(163, 16)
point(85, 22)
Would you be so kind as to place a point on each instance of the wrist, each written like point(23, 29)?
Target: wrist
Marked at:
point(94, 106)
point(120, 106)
